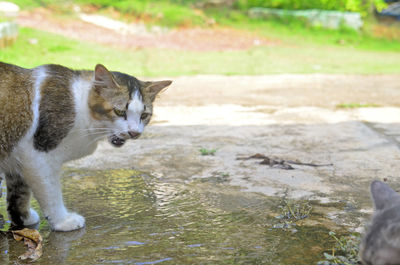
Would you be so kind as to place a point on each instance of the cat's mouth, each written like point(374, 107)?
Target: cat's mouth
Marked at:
point(116, 141)
point(119, 141)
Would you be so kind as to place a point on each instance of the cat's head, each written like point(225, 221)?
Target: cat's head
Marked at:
point(381, 243)
point(122, 104)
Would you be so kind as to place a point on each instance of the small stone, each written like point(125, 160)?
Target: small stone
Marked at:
point(33, 41)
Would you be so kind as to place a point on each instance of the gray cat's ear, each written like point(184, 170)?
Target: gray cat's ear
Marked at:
point(153, 88)
point(382, 194)
point(103, 78)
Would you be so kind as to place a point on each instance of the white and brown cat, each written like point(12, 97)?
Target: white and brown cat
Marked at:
point(52, 114)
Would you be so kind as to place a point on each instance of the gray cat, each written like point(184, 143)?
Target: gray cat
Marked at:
point(381, 243)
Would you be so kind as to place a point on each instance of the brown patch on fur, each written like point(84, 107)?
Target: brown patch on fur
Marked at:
point(16, 95)
point(56, 109)
point(108, 93)
point(99, 107)
point(149, 91)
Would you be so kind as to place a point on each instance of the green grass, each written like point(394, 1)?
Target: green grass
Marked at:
point(345, 252)
point(174, 13)
point(26, 4)
point(278, 59)
point(163, 12)
point(207, 152)
point(291, 30)
point(354, 105)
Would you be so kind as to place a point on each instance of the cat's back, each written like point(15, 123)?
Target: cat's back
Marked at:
point(39, 103)
point(16, 96)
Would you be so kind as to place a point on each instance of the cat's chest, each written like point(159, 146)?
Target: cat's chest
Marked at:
point(77, 145)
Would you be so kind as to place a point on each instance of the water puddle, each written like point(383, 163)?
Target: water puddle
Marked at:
point(134, 218)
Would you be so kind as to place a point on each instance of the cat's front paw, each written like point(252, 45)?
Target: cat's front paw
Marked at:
point(32, 219)
point(71, 222)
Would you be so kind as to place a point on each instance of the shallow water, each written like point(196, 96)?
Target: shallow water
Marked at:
point(133, 218)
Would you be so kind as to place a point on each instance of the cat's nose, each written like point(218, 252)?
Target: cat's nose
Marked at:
point(134, 134)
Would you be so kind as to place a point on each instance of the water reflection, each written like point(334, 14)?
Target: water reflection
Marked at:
point(4, 249)
point(133, 218)
point(59, 244)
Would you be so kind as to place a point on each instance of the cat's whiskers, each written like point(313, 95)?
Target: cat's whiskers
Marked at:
point(95, 140)
point(91, 135)
point(91, 129)
point(96, 133)
point(118, 133)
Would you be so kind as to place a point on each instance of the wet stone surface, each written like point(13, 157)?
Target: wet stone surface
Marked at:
point(134, 218)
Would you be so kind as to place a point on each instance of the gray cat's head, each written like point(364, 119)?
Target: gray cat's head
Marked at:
point(381, 243)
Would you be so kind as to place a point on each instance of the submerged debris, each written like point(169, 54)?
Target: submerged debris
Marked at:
point(280, 163)
point(291, 213)
point(345, 252)
point(33, 240)
point(216, 177)
point(294, 211)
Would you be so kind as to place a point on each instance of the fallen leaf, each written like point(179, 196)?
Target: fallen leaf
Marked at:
point(33, 240)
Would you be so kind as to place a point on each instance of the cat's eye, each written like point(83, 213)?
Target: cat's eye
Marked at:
point(120, 113)
point(144, 116)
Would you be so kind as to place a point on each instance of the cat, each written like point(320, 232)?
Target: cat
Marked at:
point(381, 243)
point(52, 114)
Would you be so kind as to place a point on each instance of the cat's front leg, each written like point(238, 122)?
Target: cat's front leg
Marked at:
point(46, 189)
point(18, 200)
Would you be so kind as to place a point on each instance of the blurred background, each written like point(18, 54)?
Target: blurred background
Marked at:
point(186, 37)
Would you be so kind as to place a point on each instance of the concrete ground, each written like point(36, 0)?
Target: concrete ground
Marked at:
point(289, 117)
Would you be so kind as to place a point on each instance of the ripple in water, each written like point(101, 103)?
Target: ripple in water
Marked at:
point(133, 218)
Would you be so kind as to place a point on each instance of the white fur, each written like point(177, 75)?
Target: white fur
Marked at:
point(133, 122)
point(135, 110)
point(32, 219)
point(39, 75)
point(72, 221)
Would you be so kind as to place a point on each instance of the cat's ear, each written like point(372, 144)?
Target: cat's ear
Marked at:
point(105, 85)
point(153, 88)
point(382, 194)
point(103, 78)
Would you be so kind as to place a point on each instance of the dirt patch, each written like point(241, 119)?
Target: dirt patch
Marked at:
point(196, 39)
point(287, 117)
point(269, 92)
